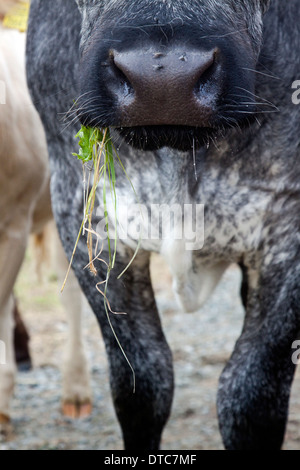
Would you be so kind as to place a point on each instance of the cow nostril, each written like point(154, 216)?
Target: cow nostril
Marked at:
point(123, 81)
point(208, 73)
point(125, 84)
point(206, 77)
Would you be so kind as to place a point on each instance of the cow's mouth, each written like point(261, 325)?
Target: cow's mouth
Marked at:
point(183, 138)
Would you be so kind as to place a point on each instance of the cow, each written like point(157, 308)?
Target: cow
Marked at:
point(197, 96)
point(25, 208)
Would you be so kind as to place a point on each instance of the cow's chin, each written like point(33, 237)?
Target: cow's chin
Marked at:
point(177, 137)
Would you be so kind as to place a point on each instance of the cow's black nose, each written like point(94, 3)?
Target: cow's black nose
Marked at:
point(174, 87)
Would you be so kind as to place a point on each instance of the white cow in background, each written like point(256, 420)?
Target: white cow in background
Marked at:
point(25, 208)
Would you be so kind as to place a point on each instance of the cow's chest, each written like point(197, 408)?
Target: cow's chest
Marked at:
point(199, 225)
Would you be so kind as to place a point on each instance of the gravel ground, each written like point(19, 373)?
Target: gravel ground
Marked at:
point(201, 344)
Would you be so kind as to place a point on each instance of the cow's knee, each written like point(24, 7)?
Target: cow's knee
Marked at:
point(144, 411)
point(253, 397)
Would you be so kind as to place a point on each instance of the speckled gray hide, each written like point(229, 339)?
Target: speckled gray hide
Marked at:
point(247, 178)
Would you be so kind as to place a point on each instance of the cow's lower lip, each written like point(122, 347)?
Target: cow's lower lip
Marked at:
point(183, 138)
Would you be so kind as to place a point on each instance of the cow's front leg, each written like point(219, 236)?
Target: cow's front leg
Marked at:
point(254, 389)
point(77, 394)
point(12, 249)
point(143, 401)
point(7, 367)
